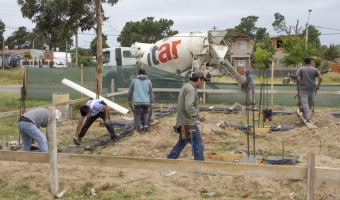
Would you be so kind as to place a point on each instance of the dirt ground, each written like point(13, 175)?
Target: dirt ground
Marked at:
point(128, 183)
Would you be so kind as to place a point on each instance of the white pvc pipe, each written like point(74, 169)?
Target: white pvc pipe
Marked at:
point(94, 96)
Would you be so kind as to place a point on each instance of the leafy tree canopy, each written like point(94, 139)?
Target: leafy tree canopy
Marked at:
point(2, 30)
point(295, 47)
point(280, 25)
point(19, 39)
point(262, 58)
point(313, 35)
point(84, 57)
point(331, 52)
point(60, 20)
point(247, 26)
point(94, 44)
point(147, 31)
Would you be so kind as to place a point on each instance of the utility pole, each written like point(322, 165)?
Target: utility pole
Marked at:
point(307, 26)
point(33, 53)
point(77, 49)
point(99, 67)
point(66, 63)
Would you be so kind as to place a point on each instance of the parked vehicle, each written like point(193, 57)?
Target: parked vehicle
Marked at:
point(60, 65)
point(11, 60)
point(289, 78)
point(118, 56)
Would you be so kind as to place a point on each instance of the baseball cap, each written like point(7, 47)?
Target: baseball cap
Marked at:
point(199, 74)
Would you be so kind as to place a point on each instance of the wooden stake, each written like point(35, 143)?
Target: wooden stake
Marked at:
point(52, 150)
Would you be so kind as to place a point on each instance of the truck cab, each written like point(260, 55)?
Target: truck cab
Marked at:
point(118, 56)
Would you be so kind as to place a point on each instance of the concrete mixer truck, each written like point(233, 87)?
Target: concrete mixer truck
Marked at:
point(186, 52)
point(180, 54)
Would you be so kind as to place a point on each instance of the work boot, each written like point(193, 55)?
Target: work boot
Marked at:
point(76, 140)
point(309, 119)
point(115, 140)
point(146, 128)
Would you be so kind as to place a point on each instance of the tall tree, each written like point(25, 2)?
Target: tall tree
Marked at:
point(295, 47)
point(262, 58)
point(19, 39)
point(2, 30)
point(61, 20)
point(313, 35)
point(280, 25)
point(93, 45)
point(331, 52)
point(247, 26)
point(85, 57)
point(263, 52)
point(148, 31)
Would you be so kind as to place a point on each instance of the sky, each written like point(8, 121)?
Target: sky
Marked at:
point(199, 15)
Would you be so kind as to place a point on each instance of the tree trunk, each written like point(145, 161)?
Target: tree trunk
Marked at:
point(99, 68)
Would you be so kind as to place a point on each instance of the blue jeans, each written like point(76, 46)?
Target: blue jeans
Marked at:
point(197, 144)
point(139, 111)
point(28, 130)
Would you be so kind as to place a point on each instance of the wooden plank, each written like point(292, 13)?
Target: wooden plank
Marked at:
point(208, 167)
point(310, 124)
point(263, 130)
point(233, 91)
point(116, 93)
point(223, 157)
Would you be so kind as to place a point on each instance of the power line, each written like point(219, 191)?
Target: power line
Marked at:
point(331, 34)
point(334, 29)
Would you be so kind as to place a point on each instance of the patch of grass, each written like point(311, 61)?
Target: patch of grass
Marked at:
point(22, 191)
point(11, 101)
point(9, 128)
point(142, 191)
point(331, 78)
point(11, 77)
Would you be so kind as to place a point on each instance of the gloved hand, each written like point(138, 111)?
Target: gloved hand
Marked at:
point(107, 122)
point(130, 103)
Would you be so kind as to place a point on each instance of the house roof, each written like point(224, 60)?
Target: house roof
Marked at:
point(241, 36)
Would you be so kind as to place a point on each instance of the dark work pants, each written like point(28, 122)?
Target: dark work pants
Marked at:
point(139, 111)
point(89, 121)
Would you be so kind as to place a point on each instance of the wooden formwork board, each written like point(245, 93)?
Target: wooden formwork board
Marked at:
point(208, 167)
point(224, 157)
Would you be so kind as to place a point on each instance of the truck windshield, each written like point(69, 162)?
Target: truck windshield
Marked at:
point(127, 54)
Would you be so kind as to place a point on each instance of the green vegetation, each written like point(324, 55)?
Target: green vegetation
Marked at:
point(11, 77)
point(8, 102)
point(22, 191)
